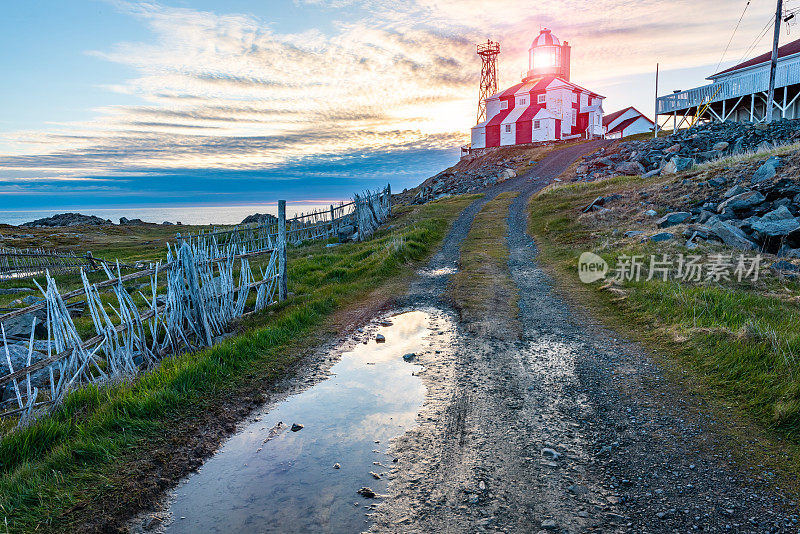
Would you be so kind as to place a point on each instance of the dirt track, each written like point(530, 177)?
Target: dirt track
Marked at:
point(564, 430)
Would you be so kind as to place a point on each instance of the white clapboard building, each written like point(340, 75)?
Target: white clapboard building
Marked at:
point(544, 106)
point(739, 93)
point(625, 122)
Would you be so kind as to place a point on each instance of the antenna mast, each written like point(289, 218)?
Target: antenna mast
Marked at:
point(488, 53)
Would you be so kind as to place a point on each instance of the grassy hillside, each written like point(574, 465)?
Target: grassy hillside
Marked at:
point(740, 338)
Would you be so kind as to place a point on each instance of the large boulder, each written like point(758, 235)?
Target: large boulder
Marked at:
point(767, 170)
point(742, 201)
point(18, 353)
point(779, 222)
point(730, 235)
point(630, 168)
point(671, 219)
point(677, 164)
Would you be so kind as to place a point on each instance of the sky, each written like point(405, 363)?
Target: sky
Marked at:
point(112, 103)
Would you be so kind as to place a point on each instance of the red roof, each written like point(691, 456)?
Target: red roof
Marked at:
point(611, 117)
point(785, 50)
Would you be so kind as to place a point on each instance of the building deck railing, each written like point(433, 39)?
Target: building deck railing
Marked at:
point(736, 86)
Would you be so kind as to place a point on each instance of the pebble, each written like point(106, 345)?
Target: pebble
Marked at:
point(296, 427)
point(380, 338)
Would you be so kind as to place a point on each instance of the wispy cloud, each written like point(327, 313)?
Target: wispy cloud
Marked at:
point(233, 92)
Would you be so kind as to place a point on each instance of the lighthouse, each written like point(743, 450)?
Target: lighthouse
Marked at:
point(548, 57)
point(544, 106)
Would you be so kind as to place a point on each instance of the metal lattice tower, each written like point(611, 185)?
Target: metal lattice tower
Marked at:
point(488, 53)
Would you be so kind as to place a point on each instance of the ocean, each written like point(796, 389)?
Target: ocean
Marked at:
point(173, 214)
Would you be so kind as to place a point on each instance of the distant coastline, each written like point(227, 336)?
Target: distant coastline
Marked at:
point(193, 215)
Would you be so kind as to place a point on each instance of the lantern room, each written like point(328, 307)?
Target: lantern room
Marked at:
point(548, 57)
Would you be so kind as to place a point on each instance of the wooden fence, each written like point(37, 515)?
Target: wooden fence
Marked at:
point(24, 263)
point(186, 303)
point(355, 220)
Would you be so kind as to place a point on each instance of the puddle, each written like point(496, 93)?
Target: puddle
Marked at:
point(267, 478)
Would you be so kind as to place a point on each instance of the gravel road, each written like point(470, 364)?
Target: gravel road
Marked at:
point(566, 429)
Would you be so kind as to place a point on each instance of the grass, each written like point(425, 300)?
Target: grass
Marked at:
point(740, 339)
point(66, 467)
point(482, 288)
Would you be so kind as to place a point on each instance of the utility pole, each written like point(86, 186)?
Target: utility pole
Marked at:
point(774, 63)
point(655, 109)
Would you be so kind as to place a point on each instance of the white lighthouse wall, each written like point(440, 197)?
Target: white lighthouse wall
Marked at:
point(478, 137)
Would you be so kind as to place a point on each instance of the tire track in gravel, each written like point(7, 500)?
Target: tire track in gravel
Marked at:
point(567, 429)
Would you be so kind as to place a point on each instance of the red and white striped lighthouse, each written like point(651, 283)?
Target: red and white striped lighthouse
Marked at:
point(545, 106)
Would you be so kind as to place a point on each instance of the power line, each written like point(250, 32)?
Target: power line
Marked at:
point(757, 40)
point(732, 35)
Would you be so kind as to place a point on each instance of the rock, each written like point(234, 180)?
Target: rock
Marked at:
point(730, 235)
point(366, 492)
point(18, 352)
point(375, 475)
point(735, 190)
point(630, 168)
point(677, 164)
point(166, 223)
point(296, 427)
point(409, 357)
point(765, 172)
point(633, 233)
point(380, 338)
point(346, 233)
point(21, 326)
point(721, 146)
point(649, 174)
point(68, 219)
point(671, 219)
point(651, 213)
point(742, 201)
point(506, 174)
point(337, 466)
point(788, 252)
point(783, 266)
point(551, 453)
point(774, 228)
point(717, 181)
point(260, 218)
point(549, 524)
point(662, 236)
point(123, 221)
point(674, 149)
point(599, 201)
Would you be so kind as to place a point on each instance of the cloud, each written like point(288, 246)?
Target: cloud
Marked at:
point(233, 92)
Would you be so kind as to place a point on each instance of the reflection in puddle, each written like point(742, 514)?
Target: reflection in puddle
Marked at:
point(268, 478)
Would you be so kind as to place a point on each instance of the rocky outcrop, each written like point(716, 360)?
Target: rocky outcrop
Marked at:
point(260, 218)
point(686, 148)
point(68, 219)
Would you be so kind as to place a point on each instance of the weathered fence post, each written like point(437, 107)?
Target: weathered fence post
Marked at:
point(283, 288)
point(333, 222)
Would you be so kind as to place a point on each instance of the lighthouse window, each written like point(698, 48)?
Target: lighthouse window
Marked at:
point(504, 104)
point(508, 128)
point(541, 99)
point(537, 125)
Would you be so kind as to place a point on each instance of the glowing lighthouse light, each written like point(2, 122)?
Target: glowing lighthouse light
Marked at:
point(548, 57)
